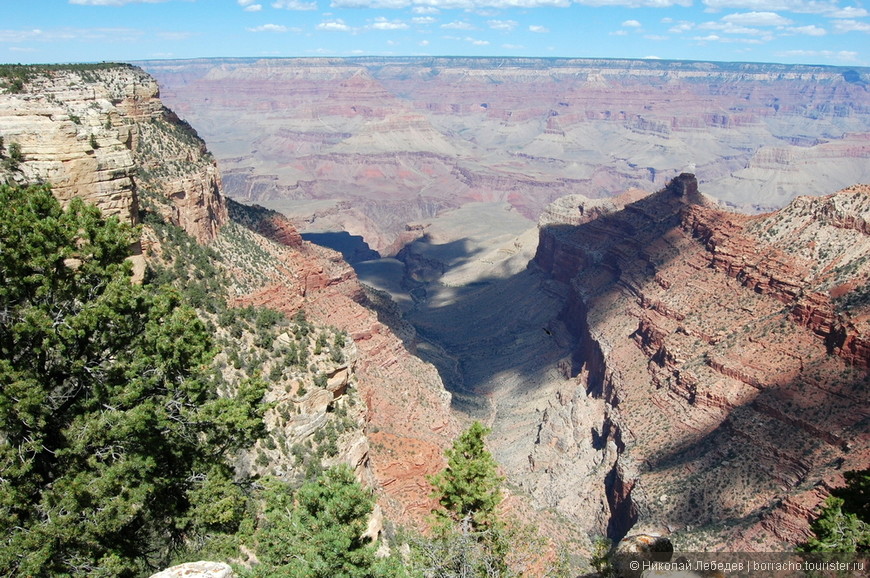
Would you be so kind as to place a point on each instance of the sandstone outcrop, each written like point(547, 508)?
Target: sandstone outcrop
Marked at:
point(732, 368)
point(197, 570)
point(101, 133)
point(633, 550)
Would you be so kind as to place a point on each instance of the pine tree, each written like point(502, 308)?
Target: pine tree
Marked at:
point(113, 440)
point(468, 489)
point(318, 531)
point(470, 539)
point(842, 524)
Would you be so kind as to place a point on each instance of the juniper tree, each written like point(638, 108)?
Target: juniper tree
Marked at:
point(113, 440)
point(317, 532)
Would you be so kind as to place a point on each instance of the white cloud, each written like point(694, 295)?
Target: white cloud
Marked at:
point(851, 26)
point(20, 35)
point(425, 10)
point(174, 35)
point(382, 23)
point(334, 25)
point(477, 5)
point(636, 3)
point(811, 30)
point(757, 19)
point(843, 55)
point(681, 27)
point(506, 25)
point(250, 5)
point(848, 12)
point(423, 43)
point(631, 24)
point(513, 46)
point(731, 28)
point(538, 29)
point(458, 25)
point(800, 6)
point(294, 5)
point(74, 34)
point(731, 40)
point(268, 28)
point(423, 20)
point(619, 33)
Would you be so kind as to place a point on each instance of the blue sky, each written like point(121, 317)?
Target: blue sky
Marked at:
point(790, 31)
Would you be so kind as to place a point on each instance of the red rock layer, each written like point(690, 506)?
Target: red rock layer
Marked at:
point(736, 382)
point(408, 421)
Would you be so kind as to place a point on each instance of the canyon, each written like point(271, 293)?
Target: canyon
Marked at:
point(369, 145)
point(101, 133)
point(635, 354)
point(648, 358)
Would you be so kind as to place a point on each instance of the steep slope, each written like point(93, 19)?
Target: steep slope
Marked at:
point(102, 133)
point(731, 356)
point(407, 418)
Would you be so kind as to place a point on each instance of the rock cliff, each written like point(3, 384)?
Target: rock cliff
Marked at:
point(100, 132)
point(731, 356)
point(407, 416)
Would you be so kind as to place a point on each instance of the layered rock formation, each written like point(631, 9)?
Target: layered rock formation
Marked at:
point(367, 145)
point(100, 132)
point(732, 366)
point(407, 410)
point(200, 569)
point(663, 366)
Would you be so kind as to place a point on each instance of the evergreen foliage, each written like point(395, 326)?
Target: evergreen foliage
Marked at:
point(471, 540)
point(317, 532)
point(469, 488)
point(113, 440)
point(843, 524)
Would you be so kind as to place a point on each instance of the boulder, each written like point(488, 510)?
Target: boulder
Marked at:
point(201, 569)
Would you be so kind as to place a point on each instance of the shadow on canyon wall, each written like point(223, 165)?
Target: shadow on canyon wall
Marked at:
point(511, 335)
point(353, 248)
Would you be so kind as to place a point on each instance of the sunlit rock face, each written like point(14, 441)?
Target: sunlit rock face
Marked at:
point(200, 569)
point(102, 134)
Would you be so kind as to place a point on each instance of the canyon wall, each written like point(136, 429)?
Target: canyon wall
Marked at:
point(730, 353)
point(407, 419)
point(367, 145)
point(100, 133)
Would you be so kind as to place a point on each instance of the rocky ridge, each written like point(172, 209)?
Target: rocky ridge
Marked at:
point(734, 384)
point(407, 420)
point(100, 133)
